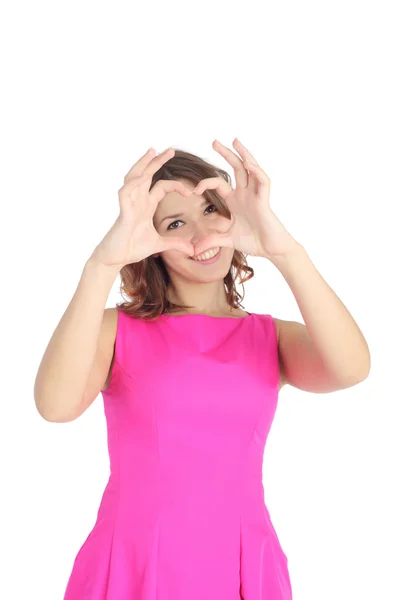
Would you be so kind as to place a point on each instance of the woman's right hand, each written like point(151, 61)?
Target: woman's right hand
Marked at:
point(133, 236)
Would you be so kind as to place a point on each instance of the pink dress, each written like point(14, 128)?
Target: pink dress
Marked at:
point(189, 406)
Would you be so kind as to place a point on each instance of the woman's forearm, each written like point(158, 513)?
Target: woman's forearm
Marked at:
point(67, 361)
point(337, 337)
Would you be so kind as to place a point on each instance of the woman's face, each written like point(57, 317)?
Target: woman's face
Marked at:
point(197, 219)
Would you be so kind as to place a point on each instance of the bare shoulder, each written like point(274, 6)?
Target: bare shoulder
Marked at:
point(108, 331)
point(111, 317)
point(277, 326)
point(107, 339)
point(282, 380)
point(110, 322)
point(99, 375)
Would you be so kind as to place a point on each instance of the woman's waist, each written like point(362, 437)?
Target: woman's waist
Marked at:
point(148, 464)
point(149, 486)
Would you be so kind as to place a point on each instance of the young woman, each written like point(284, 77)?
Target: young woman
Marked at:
point(190, 381)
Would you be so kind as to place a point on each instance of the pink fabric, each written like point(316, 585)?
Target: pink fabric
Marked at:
point(189, 407)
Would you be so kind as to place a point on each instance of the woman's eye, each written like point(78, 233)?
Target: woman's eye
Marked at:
point(173, 223)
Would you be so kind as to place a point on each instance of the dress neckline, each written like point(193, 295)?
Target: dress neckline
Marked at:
point(209, 316)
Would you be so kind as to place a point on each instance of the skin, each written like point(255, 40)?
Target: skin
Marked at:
point(201, 286)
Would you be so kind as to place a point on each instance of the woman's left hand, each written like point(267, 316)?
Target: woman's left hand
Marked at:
point(255, 229)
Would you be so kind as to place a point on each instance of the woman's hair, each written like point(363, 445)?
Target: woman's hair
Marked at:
point(145, 283)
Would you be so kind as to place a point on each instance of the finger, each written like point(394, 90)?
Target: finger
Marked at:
point(253, 183)
point(140, 165)
point(241, 176)
point(157, 162)
point(165, 186)
point(260, 175)
point(216, 240)
point(136, 185)
point(244, 153)
point(213, 183)
point(175, 243)
point(149, 164)
point(133, 183)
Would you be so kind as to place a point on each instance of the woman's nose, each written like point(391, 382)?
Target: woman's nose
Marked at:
point(200, 234)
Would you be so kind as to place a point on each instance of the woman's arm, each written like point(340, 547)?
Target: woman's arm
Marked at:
point(329, 352)
point(67, 362)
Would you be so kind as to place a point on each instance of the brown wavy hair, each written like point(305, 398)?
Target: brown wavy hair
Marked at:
point(145, 283)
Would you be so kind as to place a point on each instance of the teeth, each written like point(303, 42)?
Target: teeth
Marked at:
point(207, 255)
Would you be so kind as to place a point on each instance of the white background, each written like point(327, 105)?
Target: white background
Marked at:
point(312, 89)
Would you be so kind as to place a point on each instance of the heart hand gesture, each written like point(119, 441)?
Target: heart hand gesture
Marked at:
point(254, 229)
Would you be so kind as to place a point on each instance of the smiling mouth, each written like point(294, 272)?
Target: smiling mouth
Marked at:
point(207, 260)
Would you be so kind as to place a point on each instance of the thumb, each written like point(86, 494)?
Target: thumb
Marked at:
point(177, 243)
point(214, 241)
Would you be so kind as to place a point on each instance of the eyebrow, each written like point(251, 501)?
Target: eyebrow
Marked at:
point(181, 214)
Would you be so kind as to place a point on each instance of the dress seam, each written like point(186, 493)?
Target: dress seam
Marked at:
point(115, 412)
point(261, 407)
point(159, 464)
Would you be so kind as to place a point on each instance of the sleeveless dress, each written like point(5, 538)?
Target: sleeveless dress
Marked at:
point(189, 406)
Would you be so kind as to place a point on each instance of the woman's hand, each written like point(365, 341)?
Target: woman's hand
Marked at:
point(254, 228)
point(133, 236)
